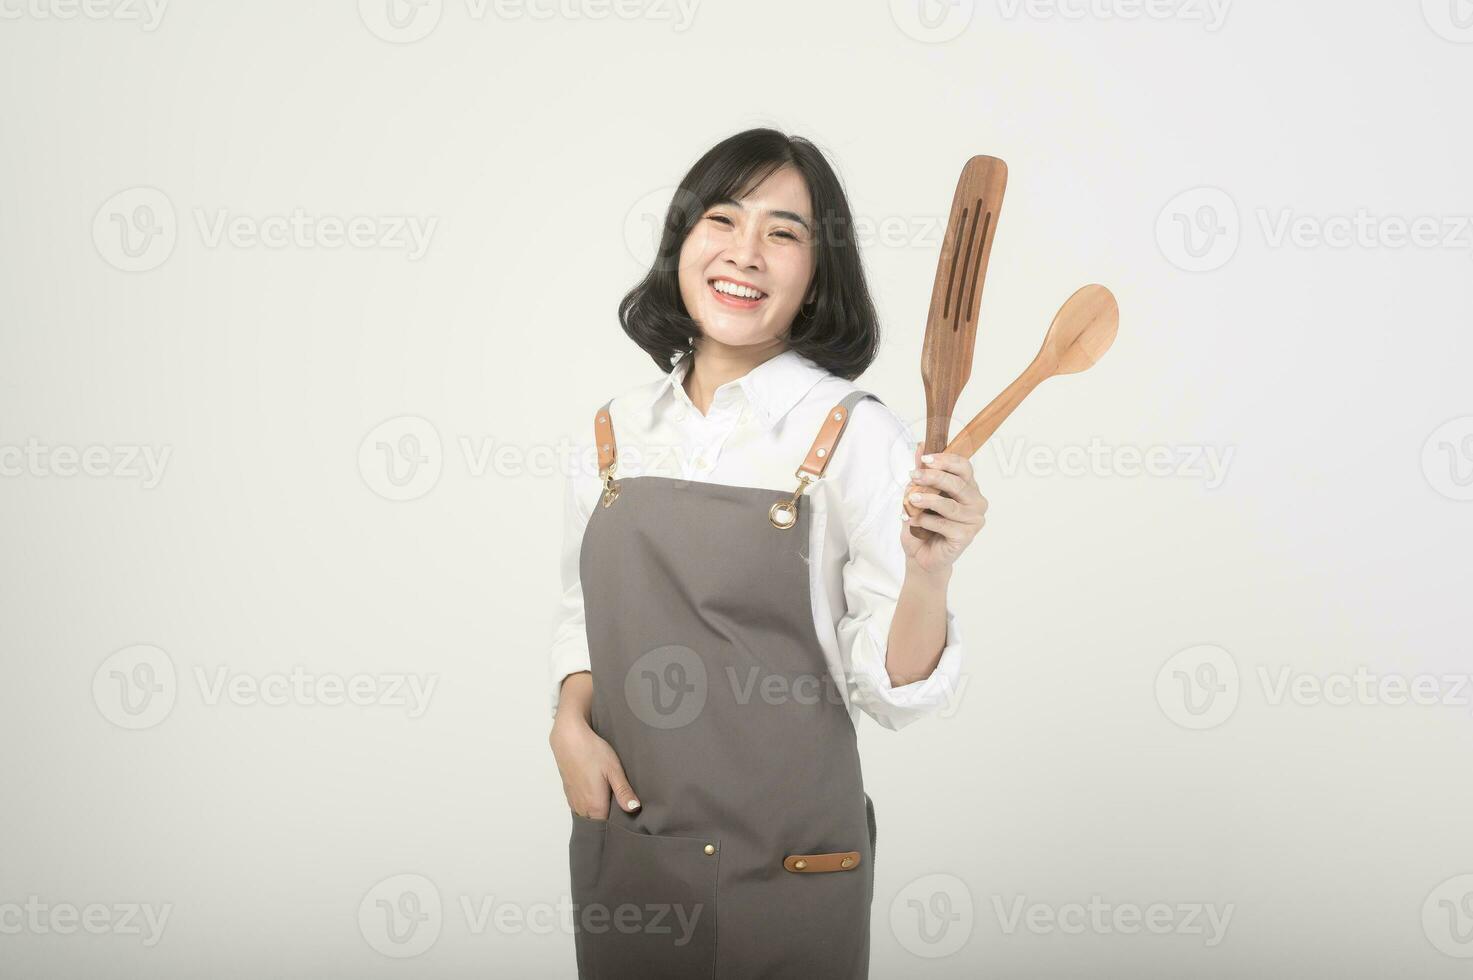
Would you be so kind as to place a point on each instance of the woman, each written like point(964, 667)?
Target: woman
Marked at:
point(722, 624)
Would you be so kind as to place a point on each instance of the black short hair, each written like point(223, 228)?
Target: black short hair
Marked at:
point(842, 334)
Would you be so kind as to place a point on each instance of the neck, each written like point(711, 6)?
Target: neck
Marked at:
point(714, 364)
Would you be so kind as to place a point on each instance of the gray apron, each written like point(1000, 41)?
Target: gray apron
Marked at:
point(752, 852)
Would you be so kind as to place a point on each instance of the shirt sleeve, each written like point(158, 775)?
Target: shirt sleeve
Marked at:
point(875, 570)
point(569, 630)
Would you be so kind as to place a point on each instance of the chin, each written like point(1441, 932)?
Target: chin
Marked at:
point(738, 337)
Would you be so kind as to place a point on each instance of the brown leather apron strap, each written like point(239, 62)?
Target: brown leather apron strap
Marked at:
point(784, 514)
point(603, 437)
point(608, 451)
point(828, 435)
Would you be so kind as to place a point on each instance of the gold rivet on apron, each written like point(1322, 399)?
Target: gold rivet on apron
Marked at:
point(800, 864)
point(846, 862)
point(710, 848)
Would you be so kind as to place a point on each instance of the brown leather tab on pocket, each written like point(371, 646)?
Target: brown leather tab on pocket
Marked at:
point(832, 861)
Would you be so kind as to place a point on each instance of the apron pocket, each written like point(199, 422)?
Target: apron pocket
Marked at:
point(644, 905)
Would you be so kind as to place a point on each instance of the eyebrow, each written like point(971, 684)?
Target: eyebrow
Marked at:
point(789, 215)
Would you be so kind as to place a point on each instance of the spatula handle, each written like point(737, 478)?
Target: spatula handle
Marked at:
point(975, 434)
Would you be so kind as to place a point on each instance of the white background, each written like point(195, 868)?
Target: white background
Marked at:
point(1331, 378)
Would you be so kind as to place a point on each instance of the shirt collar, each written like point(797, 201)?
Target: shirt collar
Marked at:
point(772, 388)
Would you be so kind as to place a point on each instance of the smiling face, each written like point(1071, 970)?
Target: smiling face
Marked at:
point(746, 266)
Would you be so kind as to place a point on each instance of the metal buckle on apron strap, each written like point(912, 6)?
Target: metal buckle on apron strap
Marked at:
point(784, 513)
point(832, 861)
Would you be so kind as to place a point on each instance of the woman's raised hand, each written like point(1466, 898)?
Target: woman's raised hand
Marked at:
point(954, 508)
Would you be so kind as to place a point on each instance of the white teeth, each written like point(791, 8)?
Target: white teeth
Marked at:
point(732, 289)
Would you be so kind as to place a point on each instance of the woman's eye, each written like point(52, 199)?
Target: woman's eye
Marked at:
point(788, 234)
point(719, 217)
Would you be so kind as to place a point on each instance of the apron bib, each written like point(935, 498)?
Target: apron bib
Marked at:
point(752, 853)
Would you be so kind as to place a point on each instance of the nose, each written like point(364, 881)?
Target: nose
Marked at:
point(745, 247)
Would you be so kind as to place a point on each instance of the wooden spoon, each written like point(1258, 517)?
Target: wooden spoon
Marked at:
point(1082, 331)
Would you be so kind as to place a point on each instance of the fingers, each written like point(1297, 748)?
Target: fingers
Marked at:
point(954, 532)
point(619, 783)
point(952, 473)
point(959, 533)
point(943, 505)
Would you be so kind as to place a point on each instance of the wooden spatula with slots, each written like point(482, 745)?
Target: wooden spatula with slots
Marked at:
point(956, 297)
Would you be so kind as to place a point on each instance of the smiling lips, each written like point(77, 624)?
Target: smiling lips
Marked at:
point(737, 295)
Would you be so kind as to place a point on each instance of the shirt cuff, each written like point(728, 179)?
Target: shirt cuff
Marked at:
point(895, 707)
point(566, 659)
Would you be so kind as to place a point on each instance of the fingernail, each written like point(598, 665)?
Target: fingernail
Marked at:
point(928, 458)
point(633, 804)
point(915, 498)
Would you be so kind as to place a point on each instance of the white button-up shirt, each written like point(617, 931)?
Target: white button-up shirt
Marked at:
point(758, 430)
